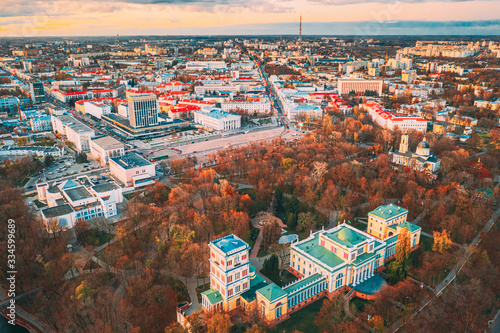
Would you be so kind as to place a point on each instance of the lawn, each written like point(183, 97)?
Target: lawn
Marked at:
point(94, 237)
point(302, 320)
point(285, 278)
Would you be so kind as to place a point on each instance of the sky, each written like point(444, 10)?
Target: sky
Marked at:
point(32, 18)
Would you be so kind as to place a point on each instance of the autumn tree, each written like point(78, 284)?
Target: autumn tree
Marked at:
point(403, 247)
point(219, 323)
point(442, 241)
point(331, 314)
point(271, 233)
point(306, 221)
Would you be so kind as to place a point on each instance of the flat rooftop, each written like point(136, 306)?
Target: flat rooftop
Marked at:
point(105, 187)
point(78, 193)
point(130, 160)
point(229, 243)
point(107, 142)
point(57, 211)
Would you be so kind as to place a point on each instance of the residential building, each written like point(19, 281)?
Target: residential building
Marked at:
point(105, 147)
point(41, 124)
point(96, 109)
point(132, 170)
point(74, 131)
point(37, 92)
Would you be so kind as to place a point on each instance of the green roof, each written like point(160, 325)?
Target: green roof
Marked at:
point(391, 240)
point(411, 227)
point(346, 237)
point(388, 211)
point(272, 292)
point(363, 258)
point(256, 283)
point(325, 256)
point(300, 283)
point(213, 296)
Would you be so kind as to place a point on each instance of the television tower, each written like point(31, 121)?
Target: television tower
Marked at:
point(300, 35)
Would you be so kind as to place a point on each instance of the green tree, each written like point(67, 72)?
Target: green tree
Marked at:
point(396, 271)
point(278, 200)
point(81, 157)
point(306, 221)
point(271, 267)
point(294, 208)
point(48, 160)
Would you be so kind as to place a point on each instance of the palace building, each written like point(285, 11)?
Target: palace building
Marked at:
point(421, 160)
point(328, 261)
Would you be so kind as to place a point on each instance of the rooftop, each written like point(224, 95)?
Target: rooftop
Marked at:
point(213, 296)
point(229, 243)
point(317, 251)
point(272, 292)
point(388, 211)
point(105, 187)
point(300, 283)
point(346, 236)
point(78, 193)
point(57, 211)
point(107, 142)
point(130, 160)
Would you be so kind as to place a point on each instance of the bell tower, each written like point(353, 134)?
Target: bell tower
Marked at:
point(403, 146)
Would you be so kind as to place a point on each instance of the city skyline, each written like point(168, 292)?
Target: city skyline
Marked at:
point(224, 17)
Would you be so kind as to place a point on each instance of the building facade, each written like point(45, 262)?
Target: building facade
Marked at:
point(421, 160)
point(132, 170)
point(325, 263)
point(361, 87)
point(105, 147)
point(143, 110)
point(217, 119)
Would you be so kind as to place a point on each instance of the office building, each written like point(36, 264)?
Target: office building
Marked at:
point(37, 92)
point(359, 87)
point(73, 130)
point(41, 124)
point(143, 110)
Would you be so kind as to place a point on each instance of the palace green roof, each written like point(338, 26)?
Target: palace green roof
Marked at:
point(363, 258)
point(213, 296)
point(411, 227)
point(256, 283)
point(346, 237)
point(325, 256)
point(388, 211)
point(301, 283)
point(272, 292)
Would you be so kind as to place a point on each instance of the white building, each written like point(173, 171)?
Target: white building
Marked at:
point(105, 147)
point(96, 109)
point(73, 130)
point(217, 119)
point(311, 111)
point(262, 106)
point(392, 120)
point(421, 160)
point(205, 65)
point(132, 170)
point(41, 124)
point(72, 200)
point(346, 86)
point(123, 110)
